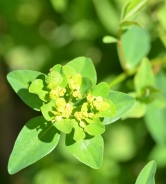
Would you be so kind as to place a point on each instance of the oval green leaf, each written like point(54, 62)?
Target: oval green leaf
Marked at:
point(123, 103)
point(85, 67)
point(146, 176)
point(37, 139)
point(156, 124)
point(88, 151)
point(109, 39)
point(95, 128)
point(136, 45)
point(20, 81)
point(102, 89)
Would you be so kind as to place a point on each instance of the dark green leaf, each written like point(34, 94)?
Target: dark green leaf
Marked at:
point(37, 138)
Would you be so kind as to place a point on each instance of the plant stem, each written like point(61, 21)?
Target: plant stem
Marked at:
point(121, 77)
point(121, 51)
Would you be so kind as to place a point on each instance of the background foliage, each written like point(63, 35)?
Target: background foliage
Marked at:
point(36, 35)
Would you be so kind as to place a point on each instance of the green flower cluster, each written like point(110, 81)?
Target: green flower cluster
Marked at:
point(73, 102)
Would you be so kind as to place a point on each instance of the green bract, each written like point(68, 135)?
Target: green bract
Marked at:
point(71, 103)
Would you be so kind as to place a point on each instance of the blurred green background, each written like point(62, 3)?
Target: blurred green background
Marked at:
point(37, 34)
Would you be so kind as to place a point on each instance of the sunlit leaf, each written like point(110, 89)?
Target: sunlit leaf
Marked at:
point(102, 89)
point(109, 39)
point(85, 68)
point(123, 103)
point(64, 125)
point(146, 175)
point(37, 139)
point(20, 81)
point(95, 127)
point(89, 151)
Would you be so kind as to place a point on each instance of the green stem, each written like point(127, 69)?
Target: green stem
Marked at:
point(121, 77)
point(121, 51)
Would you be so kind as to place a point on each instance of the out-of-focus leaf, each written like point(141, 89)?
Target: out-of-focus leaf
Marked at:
point(89, 151)
point(146, 175)
point(158, 154)
point(156, 124)
point(137, 111)
point(59, 5)
point(144, 76)
point(126, 24)
point(149, 94)
point(109, 39)
point(136, 45)
point(131, 7)
point(161, 14)
point(37, 138)
point(20, 81)
point(108, 15)
point(85, 67)
point(123, 103)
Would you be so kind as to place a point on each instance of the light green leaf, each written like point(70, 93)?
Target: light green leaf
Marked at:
point(46, 110)
point(102, 89)
point(132, 7)
point(109, 39)
point(138, 110)
point(89, 151)
point(158, 153)
point(37, 139)
point(57, 68)
point(85, 67)
point(95, 128)
point(79, 133)
point(156, 124)
point(123, 103)
point(68, 71)
point(37, 88)
point(110, 112)
point(126, 24)
point(144, 76)
point(59, 5)
point(64, 125)
point(136, 45)
point(20, 81)
point(146, 176)
point(85, 85)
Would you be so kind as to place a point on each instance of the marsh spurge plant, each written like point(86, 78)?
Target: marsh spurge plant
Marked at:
point(70, 102)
